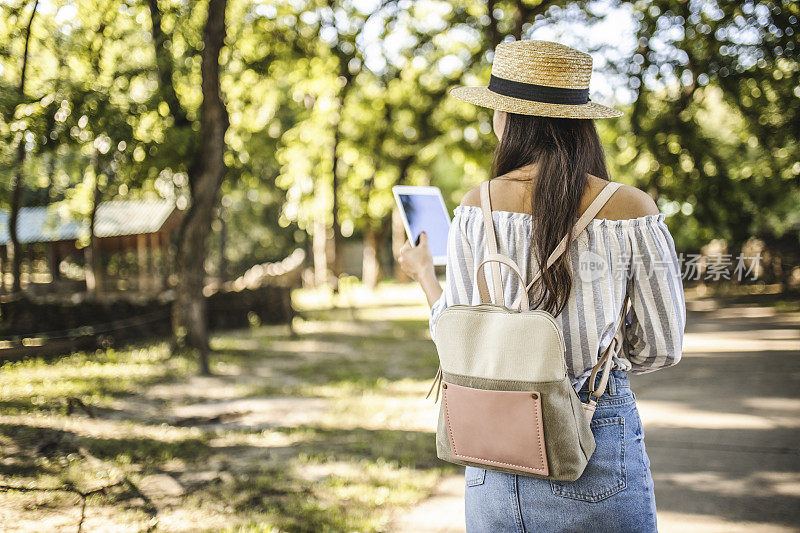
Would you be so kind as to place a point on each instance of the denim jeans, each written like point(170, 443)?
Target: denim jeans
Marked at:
point(614, 493)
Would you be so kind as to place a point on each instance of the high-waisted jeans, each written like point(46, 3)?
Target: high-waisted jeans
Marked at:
point(614, 493)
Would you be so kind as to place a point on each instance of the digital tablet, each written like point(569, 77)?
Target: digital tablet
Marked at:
point(423, 209)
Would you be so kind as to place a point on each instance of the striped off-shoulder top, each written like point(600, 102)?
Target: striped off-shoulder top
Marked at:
point(608, 258)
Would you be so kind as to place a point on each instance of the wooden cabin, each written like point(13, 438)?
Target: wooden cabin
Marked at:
point(54, 244)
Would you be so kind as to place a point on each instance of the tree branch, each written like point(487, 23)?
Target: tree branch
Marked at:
point(25, 53)
point(165, 67)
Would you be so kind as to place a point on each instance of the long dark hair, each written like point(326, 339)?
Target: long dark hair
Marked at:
point(565, 150)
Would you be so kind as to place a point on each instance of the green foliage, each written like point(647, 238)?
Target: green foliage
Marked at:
point(711, 132)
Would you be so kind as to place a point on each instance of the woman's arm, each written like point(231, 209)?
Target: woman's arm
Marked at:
point(417, 263)
point(654, 338)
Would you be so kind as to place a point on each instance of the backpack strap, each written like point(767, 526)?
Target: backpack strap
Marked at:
point(521, 302)
point(491, 249)
point(605, 362)
point(597, 204)
point(491, 240)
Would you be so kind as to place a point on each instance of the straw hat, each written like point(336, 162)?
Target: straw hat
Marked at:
point(538, 78)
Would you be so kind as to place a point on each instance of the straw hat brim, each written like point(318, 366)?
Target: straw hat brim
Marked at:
point(483, 97)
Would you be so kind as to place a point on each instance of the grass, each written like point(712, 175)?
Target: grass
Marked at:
point(97, 378)
point(322, 431)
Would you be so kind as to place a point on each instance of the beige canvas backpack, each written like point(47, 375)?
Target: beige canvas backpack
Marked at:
point(507, 401)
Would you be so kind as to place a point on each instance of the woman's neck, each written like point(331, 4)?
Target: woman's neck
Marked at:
point(523, 173)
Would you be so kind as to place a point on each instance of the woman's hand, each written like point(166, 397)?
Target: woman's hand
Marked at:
point(416, 261)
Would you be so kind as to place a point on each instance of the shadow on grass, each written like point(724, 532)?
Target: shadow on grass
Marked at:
point(401, 448)
point(383, 469)
point(380, 462)
point(31, 442)
point(94, 392)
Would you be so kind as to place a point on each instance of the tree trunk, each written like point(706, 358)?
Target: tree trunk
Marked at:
point(94, 268)
point(222, 266)
point(18, 181)
point(3, 267)
point(398, 239)
point(53, 262)
point(370, 264)
point(13, 227)
point(319, 247)
point(319, 237)
point(525, 13)
point(30, 251)
point(336, 260)
point(374, 240)
point(205, 179)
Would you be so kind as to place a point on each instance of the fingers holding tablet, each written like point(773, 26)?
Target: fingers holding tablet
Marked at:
point(416, 260)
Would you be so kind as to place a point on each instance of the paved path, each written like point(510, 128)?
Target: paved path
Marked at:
point(722, 430)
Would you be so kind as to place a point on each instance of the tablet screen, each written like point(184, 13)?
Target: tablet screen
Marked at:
point(426, 212)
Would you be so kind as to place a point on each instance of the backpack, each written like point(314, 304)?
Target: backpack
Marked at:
point(507, 401)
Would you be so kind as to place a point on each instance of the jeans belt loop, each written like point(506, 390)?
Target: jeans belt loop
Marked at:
point(612, 383)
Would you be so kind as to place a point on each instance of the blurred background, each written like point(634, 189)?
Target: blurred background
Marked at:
point(201, 320)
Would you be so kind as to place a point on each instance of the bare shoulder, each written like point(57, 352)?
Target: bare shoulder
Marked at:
point(472, 197)
point(507, 195)
point(628, 202)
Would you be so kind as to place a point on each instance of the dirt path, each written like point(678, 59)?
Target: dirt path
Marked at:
point(722, 429)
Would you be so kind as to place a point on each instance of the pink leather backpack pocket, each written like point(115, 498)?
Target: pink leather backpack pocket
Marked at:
point(496, 428)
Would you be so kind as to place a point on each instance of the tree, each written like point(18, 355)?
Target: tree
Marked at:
point(205, 180)
point(713, 130)
point(17, 183)
point(206, 170)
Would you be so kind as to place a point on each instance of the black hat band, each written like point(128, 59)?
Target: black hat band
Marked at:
point(538, 93)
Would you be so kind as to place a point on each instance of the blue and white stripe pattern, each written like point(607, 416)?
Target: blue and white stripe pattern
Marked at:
point(637, 252)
